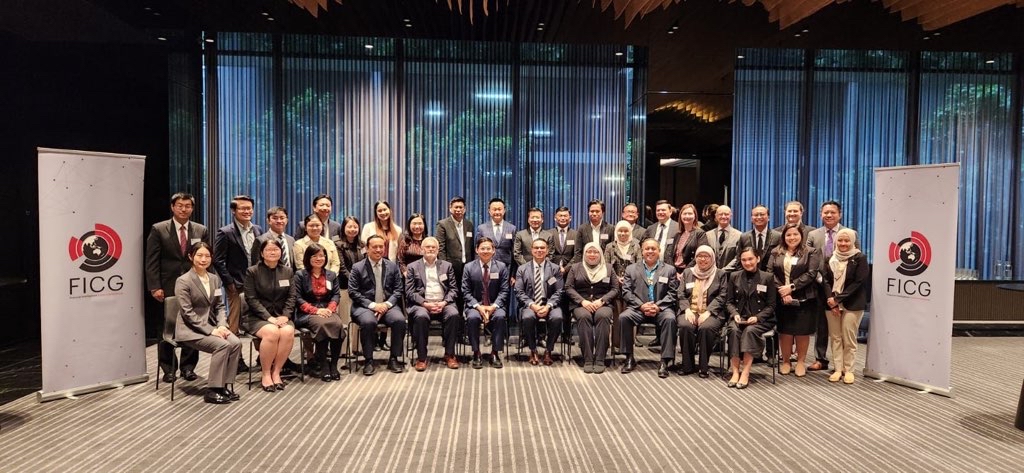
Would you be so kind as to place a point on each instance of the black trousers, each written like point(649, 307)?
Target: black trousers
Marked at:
point(594, 329)
point(700, 338)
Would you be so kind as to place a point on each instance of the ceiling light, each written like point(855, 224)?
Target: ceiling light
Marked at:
point(266, 14)
point(990, 61)
point(797, 35)
point(209, 40)
point(270, 18)
point(936, 33)
point(741, 57)
point(618, 53)
point(368, 46)
point(161, 38)
point(926, 38)
point(675, 27)
point(539, 28)
point(540, 24)
point(805, 31)
point(406, 20)
point(408, 25)
point(671, 32)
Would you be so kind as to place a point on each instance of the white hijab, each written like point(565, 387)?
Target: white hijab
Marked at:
point(594, 273)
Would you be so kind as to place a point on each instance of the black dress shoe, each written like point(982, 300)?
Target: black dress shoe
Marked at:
point(629, 366)
point(333, 370)
point(702, 374)
point(169, 377)
point(394, 366)
point(368, 368)
point(214, 397)
point(477, 363)
point(496, 361)
point(663, 370)
point(230, 394)
point(326, 377)
point(686, 372)
point(189, 375)
point(242, 367)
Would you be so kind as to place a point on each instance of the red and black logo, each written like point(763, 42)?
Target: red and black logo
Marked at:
point(100, 247)
point(914, 254)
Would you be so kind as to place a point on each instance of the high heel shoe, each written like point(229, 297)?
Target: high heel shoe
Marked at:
point(785, 368)
point(279, 386)
point(268, 389)
point(733, 381)
point(801, 370)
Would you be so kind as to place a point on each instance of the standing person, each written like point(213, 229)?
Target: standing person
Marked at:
point(485, 285)
point(824, 239)
point(701, 316)
point(267, 290)
point(665, 231)
point(499, 231)
point(631, 214)
point(314, 294)
point(199, 294)
point(375, 285)
point(708, 216)
point(277, 222)
point(410, 246)
point(846, 277)
point(761, 238)
point(430, 289)
point(351, 250)
point(521, 248)
point(313, 235)
point(690, 237)
point(591, 286)
point(794, 214)
point(167, 258)
point(595, 230)
point(539, 287)
point(794, 267)
point(383, 225)
point(724, 239)
point(322, 209)
point(749, 302)
point(562, 239)
point(455, 237)
point(650, 289)
point(231, 249)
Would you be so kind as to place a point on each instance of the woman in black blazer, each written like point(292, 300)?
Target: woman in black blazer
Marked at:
point(846, 276)
point(700, 315)
point(691, 237)
point(351, 249)
point(749, 304)
point(591, 286)
point(315, 298)
point(267, 291)
point(794, 266)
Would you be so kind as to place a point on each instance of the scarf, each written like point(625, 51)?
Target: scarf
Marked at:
point(624, 249)
point(599, 271)
point(705, 276)
point(839, 260)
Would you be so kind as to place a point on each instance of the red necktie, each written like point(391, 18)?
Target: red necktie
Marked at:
point(487, 285)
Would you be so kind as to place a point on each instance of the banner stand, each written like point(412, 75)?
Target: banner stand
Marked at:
point(868, 373)
point(71, 393)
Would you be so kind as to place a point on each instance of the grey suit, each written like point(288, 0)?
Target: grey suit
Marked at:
point(449, 249)
point(727, 249)
point(523, 243)
point(200, 314)
point(558, 253)
point(164, 264)
point(636, 292)
point(415, 295)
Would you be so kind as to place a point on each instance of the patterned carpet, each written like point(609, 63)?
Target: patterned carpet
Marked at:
point(525, 418)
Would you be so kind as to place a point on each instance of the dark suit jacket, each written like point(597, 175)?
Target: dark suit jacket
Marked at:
point(552, 281)
point(803, 275)
point(199, 313)
point(416, 281)
point(744, 299)
point(727, 253)
point(578, 287)
point(229, 254)
point(856, 287)
point(522, 245)
point(334, 229)
point(666, 286)
point(362, 285)
point(713, 302)
point(805, 229)
point(448, 240)
point(256, 256)
point(473, 284)
point(772, 239)
point(267, 291)
point(302, 293)
point(164, 261)
point(585, 234)
point(697, 238)
point(502, 243)
point(672, 234)
point(562, 256)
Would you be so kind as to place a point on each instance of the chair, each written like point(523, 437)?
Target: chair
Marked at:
point(354, 357)
point(565, 351)
point(771, 348)
point(301, 333)
point(461, 348)
point(171, 309)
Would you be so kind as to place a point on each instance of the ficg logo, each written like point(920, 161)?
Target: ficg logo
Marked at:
point(914, 254)
point(100, 250)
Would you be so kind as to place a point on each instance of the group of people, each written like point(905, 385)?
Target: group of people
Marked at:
point(689, 279)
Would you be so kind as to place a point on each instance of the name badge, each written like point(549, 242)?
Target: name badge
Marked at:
point(194, 241)
point(669, 241)
point(627, 258)
point(329, 286)
point(606, 280)
point(570, 242)
point(442, 277)
point(469, 234)
point(604, 236)
point(336, 238)
point(663, 279)
point(690, 285)
point(494, 275)
point(762, 288)
point(793, 260)
point(284, 283)
point(218, 292)
point(551, 280)
point(508, 236)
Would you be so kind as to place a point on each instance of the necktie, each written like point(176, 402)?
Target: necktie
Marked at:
point(487, 285)
point(561, 239)
point(497, 234)
point(535, 235)
point(183, 240)
point(378, 293)
point(661, 230)
point(721, 238)
point(538, 284)
point(284, 251)
point(760, 243)
point(828, 244)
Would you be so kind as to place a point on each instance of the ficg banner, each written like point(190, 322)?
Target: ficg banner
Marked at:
point(913, 269)
point(90, 271)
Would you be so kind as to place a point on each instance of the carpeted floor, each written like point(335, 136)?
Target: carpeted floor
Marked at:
point(525, 419)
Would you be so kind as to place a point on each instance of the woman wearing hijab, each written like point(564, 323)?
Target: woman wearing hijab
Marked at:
point(691, 236)
point(845, 277)
point(701, 321)
point(592, 286)
point(621, 253)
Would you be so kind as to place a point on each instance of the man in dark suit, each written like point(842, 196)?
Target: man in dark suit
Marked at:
point(322, 205)
point(824, 238)
point(596, 229)
point(277, 221)
point(485, 285)
point(231, 250)
point(499, 231)
point(649, 289)
point(430, 289)
point(455, 237)
point(724, 239)
point(795, 214)
point(539, 290)
point(631, 214)
point(166, 259)
point(525, 238)
point(761, 238)
point(375, 286)
point(562, 239)
point(665, 231)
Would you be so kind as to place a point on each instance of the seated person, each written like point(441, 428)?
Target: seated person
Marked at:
point(267, 290)
point(591, 286)
point(539, 291)
point(650, 289)
point(749, 301)
point(375, 285)
point(315, 295)
point(485, 288)
point(430, 291)
point(203, 324)
point(701, 319)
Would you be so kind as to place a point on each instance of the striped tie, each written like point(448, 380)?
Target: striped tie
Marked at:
point(538, 284)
